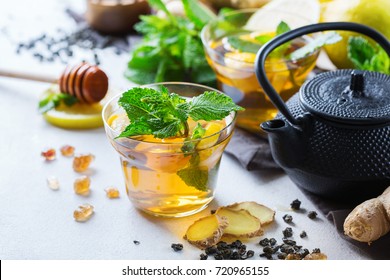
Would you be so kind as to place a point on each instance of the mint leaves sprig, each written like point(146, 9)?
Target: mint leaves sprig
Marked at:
point(164, 114)
point(313, 45)
point(171, 48)
point(367, 56)
point(53, 99)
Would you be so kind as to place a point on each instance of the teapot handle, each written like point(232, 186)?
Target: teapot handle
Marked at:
point(304, 30)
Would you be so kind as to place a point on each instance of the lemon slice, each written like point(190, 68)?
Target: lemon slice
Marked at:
point(211, 135)
point(295, 13)
point(77, 116)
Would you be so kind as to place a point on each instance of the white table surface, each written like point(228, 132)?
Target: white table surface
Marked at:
point(37, 222)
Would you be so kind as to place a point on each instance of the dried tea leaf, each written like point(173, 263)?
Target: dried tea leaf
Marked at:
point(263, 213)
point(240, 223)
point(206, 231)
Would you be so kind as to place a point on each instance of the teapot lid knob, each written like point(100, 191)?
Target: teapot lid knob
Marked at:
point(356, 85)
point(348, 96)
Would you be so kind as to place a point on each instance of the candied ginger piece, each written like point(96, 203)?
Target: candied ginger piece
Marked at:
point(53, 183)
point(81, 185)
point(49, 154)
point(83, 213)
point(82, 162)
point(67, 151)
point(112, 192)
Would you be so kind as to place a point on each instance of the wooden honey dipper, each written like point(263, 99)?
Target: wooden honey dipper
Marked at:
point(88, 83)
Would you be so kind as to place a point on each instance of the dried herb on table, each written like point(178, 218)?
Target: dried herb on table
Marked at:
point(287, 218)
point(177, 247)
point(296, 204)
point(312, 215)
point(61, 46)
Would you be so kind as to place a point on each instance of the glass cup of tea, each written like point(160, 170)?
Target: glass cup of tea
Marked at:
point(161, 177)
point(230, 44)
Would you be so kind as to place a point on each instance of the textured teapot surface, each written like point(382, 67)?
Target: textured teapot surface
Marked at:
point(333, 138)
point(348, 96)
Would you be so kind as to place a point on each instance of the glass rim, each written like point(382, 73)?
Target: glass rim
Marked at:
point(246, 11)
point(117, 96)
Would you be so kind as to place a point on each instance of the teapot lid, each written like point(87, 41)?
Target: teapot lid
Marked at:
point(348, 96)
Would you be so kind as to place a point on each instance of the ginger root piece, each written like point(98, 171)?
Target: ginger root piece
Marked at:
point(315, 256)
point(370, 220)
point(240, 223)
point(263, 213)
point(206, 231)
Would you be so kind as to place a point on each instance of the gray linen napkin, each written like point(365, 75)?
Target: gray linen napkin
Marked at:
point(253, 152)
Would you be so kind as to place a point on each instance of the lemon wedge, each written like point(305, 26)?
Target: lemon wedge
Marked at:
point(77, 116)
point(295, 13)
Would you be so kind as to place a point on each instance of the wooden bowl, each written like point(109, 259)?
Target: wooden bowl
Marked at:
point(115, 16)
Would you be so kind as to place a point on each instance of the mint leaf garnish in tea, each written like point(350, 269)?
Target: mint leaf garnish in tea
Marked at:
point(193, 128)
point(164, 114)
point(318, 42)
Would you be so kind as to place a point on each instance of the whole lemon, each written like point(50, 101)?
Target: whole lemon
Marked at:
point(374, 13)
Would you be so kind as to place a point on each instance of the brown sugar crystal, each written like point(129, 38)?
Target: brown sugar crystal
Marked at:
point(49, 154)
point(81, 185)
point(83, 213)
point(82, 162)
point(112, 192)
point(67, 151)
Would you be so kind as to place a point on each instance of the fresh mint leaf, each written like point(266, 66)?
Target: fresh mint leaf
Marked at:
point(367, 56)
point(243, 45)
point(131, 101)
point(315, 44)
point(282, 28)
point(140, 76)
point(262, 39)
point(211, 106)
point(138, 127)
point(53, 99)
point(170, 50)
point(198, 13)
point(153, 112)
point(190, 145)
point(204, 75)
point(198, 132)
point(225, 10)
point(152, 24)
point(193, 53)
point(193, 175)
point(253, 47)
point(381, 62)
point(159, 5)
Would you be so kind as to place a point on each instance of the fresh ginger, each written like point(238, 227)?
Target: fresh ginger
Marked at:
point(206, 231)
point(241, 220)
point(370, 220)
point(241, 223)
point(263, 213)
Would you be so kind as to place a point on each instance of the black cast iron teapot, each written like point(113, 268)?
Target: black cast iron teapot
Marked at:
point(333, 137)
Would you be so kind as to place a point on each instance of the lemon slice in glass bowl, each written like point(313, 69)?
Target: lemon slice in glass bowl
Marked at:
point(76, 116)
point(295, 13)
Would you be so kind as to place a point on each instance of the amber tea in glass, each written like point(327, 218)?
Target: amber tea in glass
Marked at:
point(235, 68)
point(154, 168)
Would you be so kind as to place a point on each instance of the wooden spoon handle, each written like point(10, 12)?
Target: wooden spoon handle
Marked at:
point(27, 76)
